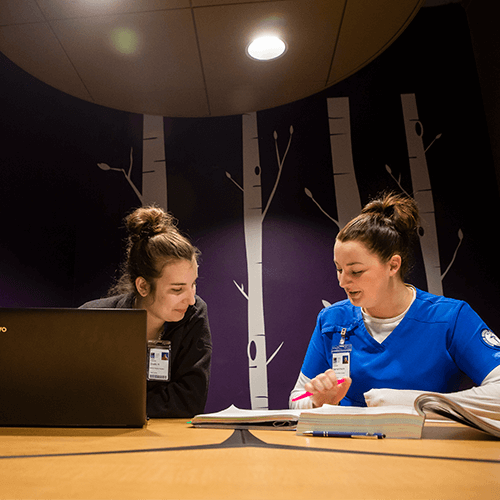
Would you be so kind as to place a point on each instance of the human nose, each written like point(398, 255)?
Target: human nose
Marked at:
point(190, 295)
point(343, 279)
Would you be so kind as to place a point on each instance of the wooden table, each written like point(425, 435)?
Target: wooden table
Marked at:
point(170, 459)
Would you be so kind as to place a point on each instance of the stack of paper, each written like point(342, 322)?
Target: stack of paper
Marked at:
point(391, 421)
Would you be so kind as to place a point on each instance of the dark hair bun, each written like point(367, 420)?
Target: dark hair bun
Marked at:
point(387, 226)
point(153, 242)
point(392, 209)
point(146, 222)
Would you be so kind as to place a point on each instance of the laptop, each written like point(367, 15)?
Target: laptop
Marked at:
point(72, 367)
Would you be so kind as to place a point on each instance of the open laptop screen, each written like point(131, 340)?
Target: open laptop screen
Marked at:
point(72, 367)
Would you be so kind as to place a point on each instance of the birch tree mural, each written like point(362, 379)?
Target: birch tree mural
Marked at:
point(154, 172)
point(154, 169)
point(422, 192)
point(346, 187)
point(344, 176)
point(253, 216)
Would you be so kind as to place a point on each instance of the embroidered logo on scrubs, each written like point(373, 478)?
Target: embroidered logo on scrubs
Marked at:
point(490, 339)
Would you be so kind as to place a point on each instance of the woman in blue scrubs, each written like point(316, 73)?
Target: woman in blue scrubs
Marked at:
point(398, 341)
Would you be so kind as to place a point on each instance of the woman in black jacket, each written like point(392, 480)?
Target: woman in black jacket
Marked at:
point(159, 275)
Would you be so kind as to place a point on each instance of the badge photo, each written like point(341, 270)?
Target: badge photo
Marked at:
point(158, 360)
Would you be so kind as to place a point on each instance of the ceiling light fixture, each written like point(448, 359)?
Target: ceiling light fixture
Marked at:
point(266, 48)
point(125, 40)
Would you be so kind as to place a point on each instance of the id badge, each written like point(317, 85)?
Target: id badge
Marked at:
point(341, 358)
point(158, 360)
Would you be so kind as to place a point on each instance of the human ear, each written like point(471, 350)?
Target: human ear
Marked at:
point(142, 286)
point(395, 264)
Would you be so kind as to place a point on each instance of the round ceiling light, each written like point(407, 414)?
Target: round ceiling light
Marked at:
point(266, 48)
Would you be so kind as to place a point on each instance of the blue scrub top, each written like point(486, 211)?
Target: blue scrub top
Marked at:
point(437, 343)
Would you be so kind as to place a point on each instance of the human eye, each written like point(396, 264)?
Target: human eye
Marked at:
point(357, 273)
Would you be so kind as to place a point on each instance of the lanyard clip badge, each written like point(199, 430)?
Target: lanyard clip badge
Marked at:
point(341, 357)
point(159, 360)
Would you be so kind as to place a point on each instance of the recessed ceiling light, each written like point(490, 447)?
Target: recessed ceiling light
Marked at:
point(125, 40)
point(265, 48)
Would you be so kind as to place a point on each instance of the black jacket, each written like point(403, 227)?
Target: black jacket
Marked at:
point(185, 394)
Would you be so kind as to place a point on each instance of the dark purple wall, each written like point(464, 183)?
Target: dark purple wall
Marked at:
point(61, 216)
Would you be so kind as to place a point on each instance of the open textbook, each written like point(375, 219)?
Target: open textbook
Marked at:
point(441, 405)
point(236, 418)
point(392, 421)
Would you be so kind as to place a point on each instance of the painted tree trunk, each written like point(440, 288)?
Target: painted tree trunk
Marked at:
point(252, 214)
point(422, 192)
point(154, 171)
point(346, 187)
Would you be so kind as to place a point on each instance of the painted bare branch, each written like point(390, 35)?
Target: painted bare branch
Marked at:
point(106, 167)
point(154, 174)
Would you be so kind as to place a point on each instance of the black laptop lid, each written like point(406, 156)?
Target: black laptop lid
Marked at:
point(73, 367)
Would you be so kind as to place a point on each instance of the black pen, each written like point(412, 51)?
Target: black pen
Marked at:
point(362, 435)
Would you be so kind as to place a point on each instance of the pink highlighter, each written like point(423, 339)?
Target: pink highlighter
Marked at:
point(307, 394)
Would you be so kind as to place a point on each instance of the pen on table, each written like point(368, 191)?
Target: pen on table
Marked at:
point(361, 435)
point(307, 394)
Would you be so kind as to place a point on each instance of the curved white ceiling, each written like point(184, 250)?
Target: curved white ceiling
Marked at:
point(188, 57)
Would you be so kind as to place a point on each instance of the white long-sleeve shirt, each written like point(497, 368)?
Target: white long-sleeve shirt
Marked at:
point(484, 399)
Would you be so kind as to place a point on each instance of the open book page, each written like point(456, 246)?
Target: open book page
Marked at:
point(445, 407)
point(235, 417)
